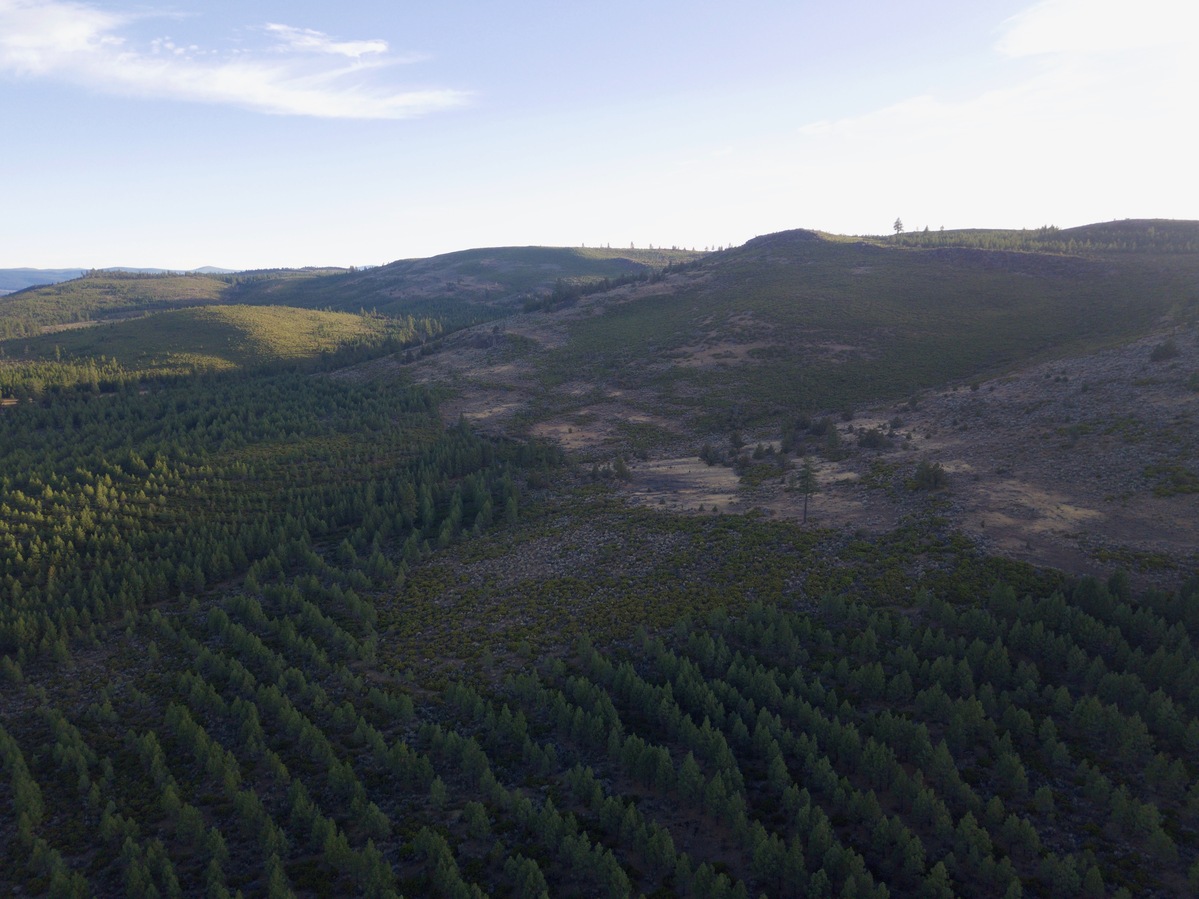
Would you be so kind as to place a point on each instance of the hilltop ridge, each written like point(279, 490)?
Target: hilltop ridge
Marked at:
point(758, 344)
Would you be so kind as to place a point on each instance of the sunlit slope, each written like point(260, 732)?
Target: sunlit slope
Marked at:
point(103, 295)
point(793, 321)
point(455, 288)
point(208, 337)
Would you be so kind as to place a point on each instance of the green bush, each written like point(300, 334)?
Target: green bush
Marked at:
point(929, 476)
point(873, 439)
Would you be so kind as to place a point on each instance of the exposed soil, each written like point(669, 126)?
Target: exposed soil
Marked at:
point(1075, 464)
point(686, 484)
point(1068, 464)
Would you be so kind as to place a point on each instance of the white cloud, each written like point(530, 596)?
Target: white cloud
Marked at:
point(305, 73)
point(36, 37)
point(1099, 26)
point(307, 40)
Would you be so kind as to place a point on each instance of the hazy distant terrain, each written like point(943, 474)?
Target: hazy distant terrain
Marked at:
point(816, 566)
point(14, 279)
point(19, 278)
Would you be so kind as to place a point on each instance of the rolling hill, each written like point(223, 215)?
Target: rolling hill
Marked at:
point(819, 566)
point(213, 338)
point(797, 323)
point(461, 287)
point(100, 296)
point(871, 357)
point(458, 288)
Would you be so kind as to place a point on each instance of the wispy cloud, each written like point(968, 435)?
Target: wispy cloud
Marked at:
point(308, 41)
point(302, 72)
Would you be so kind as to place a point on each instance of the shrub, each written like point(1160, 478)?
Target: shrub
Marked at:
point(929, 476)
point(833, 449)
point(873, 439)
point(1168, 349)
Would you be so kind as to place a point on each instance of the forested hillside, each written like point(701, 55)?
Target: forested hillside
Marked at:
point(467, 286)
point(457, 288)
point(299, 602)
point(102, 295)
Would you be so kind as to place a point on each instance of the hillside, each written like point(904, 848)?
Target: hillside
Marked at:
point(795, 323)
point(214, 337)
point(466, 286)
point(756, 343)
point(99, 296)
point(456, 288)
point(1139, 236)
point(819, 566)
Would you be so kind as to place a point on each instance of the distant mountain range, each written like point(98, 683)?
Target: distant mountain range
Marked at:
point(19, 278)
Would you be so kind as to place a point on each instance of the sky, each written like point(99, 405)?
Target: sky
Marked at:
point(263, 133)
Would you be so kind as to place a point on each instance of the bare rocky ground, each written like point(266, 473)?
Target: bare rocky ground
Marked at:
point(1084, 464)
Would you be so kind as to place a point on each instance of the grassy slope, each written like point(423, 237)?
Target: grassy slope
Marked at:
point(109, 295)
point(820, 322)
point(468, 285)
point(458, 288)
point(832, 324)
point(209, 337)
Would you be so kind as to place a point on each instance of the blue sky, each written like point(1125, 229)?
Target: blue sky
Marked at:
point(265, 134)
